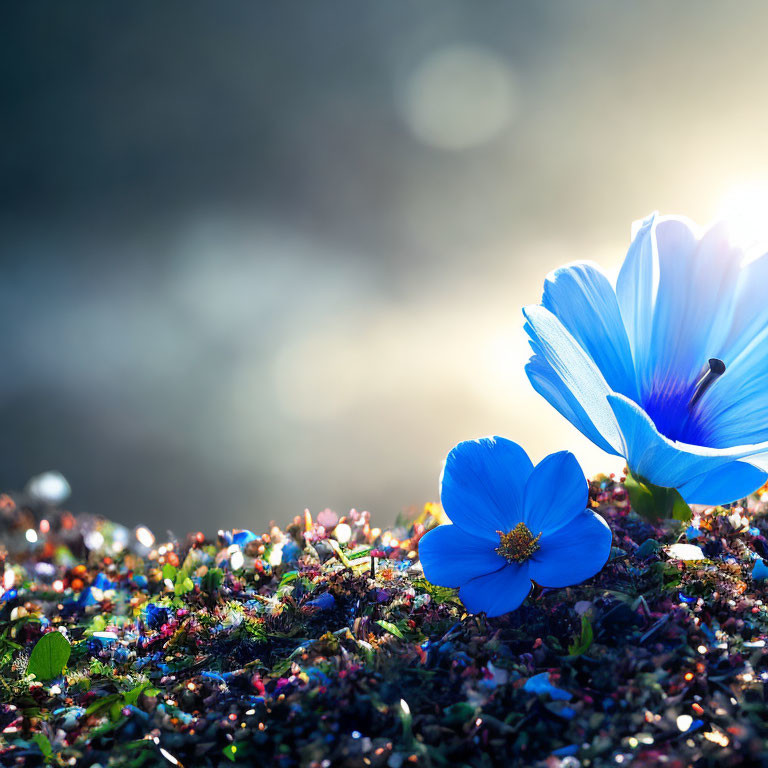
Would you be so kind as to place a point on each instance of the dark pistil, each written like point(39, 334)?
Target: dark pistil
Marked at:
point(715, 369)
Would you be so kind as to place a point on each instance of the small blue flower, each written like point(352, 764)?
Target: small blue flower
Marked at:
point(759, 570)
point(156, 616)
point(512, 523)
point(324, 602)
point(669, 369)
point(540, 684)
point(243, 538)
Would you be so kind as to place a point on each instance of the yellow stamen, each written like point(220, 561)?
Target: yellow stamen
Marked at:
point(518, 545)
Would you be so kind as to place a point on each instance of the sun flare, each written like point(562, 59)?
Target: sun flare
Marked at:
point(745, 210)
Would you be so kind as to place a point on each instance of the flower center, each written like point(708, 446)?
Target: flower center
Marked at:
point(518, 545)
point(715, 369)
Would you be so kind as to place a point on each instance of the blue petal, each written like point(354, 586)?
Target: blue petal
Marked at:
point(450, 556)
point(692, 318)
point(573, 553)
point(673, 249)
point(556, 492)
point(549, 385)
point(497, 593)
point(584, 301)
point(577, 371)
point(724, 485)
point(482, 486)
point(751, 314)
point(664, 462)
point(695, 304)
point(736, 413)
point(636, 290)
point(735, 409)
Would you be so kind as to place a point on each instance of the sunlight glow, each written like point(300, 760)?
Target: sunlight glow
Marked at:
point(745, 210)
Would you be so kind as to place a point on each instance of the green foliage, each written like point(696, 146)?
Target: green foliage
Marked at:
point(212, 580)
point(44, 745)
point(169, 572)
point(287, 578)
point(647, 548)
point(459, 714)
point(98, 623)
point(132, 696)
point(583, 640)
point(115, 702)
point(7, 647)
point(438, 594)
point(183, 583)
point(49, 656)
point(665, 576)
point(138, 754)
point(180, 579)
point(654, 502)
point(391, 628)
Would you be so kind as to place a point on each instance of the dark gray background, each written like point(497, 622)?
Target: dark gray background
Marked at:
point(240, 277)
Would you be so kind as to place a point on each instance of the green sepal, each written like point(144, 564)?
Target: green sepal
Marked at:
point(654, 502)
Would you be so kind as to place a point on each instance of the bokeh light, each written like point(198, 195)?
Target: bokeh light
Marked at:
point(259, 268)
point(459, 96)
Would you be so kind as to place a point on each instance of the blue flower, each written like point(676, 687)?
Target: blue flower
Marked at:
point(512, 523)
point(669, 369)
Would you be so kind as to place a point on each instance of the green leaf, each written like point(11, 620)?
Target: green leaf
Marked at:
point(44, 745)
point(183, 583)
point(582, 641)
point(212, 580)
point(103, 703)
point(49, 656)
point(288, 577)
point(132, 696)
point(390, 627)
point(439, 594)
point(116, 710)
point(459, 713)
point(169, 572)
point(647, 548)
point(654, 502)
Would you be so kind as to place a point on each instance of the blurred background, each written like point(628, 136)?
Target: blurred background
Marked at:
point(258, 257)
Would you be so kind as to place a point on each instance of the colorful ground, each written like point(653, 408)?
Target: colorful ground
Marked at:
point(283, 650)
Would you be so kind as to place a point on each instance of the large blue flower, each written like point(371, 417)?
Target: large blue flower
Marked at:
point(669, 369)
point(512, 523)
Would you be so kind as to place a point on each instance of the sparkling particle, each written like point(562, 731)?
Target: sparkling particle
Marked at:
point(236, 560)
point(684, 722)
point(342, 533)
point(145, 537)
point(169, 757)
point(717, 737)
